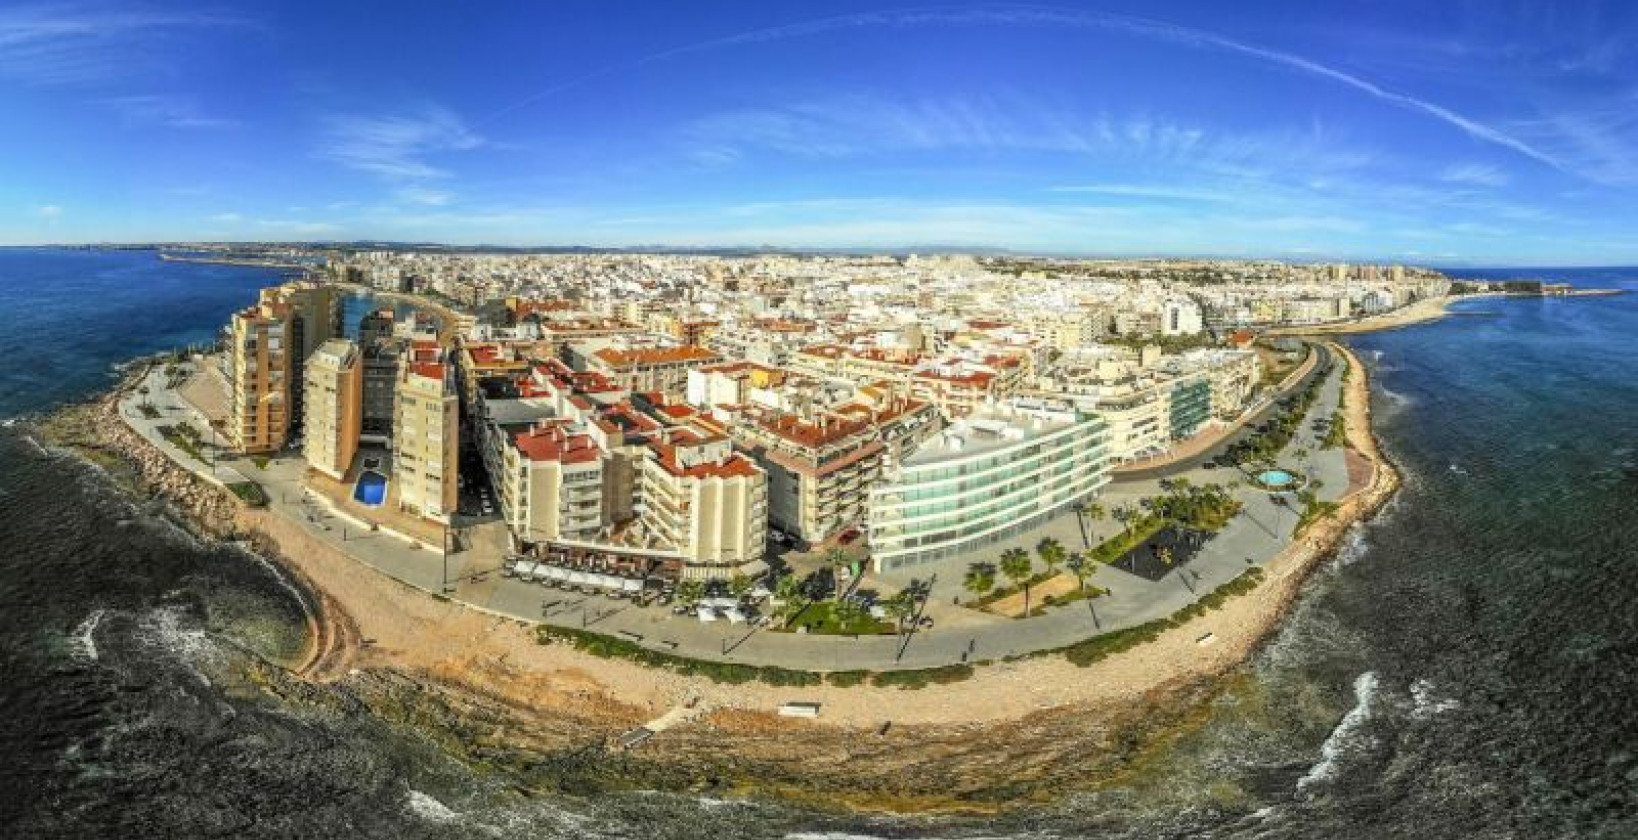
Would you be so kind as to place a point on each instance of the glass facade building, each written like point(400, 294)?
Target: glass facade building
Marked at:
point(1191, 407)
point(987, 478)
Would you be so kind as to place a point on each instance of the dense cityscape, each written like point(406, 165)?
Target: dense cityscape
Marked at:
point(631, 423)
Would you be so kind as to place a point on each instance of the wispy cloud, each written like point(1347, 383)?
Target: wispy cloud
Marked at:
point(296, 227)
point(79, 43)
point(1029, 15)
point(1159, 192)
point(397, 147)
point(1475, 174)
point(170, 110)
point(862, 125)
point(227, 218)
point(425, 197)
point(49, 211)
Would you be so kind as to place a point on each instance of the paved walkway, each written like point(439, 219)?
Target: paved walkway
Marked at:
point(959, 634)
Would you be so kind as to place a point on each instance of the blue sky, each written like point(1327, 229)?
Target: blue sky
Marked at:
point(1481, 132)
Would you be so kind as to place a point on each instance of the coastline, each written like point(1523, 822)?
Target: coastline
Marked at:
point(1421, 312)
point(402, 649)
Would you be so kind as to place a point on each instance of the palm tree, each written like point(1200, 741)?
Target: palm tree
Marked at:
point(1123, 515)
point(901, 606)
point(980, 578)
point(1016, 565)
point(1051, 552)
point(787, 588)
point(1082, 567)
point(836, 558)
point(1164, 555)
point(847, 612)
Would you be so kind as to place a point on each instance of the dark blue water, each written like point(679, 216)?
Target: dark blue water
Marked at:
point(1468, 667)
point(67, 316)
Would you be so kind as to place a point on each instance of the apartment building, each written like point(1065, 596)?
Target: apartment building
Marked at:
point(705, 501)
point(426, 438)
point(959, 387)
point(334, 406)
point(551, 484)
point(256, 367)
point(651, 369)
point(987, 477)
point(267, 346)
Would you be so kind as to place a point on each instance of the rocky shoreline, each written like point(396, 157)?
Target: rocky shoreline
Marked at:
point(546, 716)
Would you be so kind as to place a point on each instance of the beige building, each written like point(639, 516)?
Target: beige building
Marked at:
point(660, 369)
point(706, 502)
point(257, 369)
point(334, 407)
point(264, 363)
point(426, 440)
point(552, 488)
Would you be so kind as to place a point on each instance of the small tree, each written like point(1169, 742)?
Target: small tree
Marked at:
point(689, 592)
point(1016, 565)
point(739, 584)
point(1082, 567)
point(787, 588)
point(837, 559)
point(980, 578)
point(1123, 515)
point(1051, 552)
point(848, 612)
point(900, 607)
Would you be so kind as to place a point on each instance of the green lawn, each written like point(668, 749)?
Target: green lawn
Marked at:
point(1141, 531)
point(251, 492)
point(821, 618)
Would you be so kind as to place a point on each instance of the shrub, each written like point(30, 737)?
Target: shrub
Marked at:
point(609, 647)
point(923, 677)
point(847, 679)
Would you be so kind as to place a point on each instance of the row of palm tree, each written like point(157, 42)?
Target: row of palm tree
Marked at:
point(1019, 567)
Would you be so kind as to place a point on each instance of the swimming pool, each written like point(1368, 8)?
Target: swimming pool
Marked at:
point(371, 488)
point(1275, 478)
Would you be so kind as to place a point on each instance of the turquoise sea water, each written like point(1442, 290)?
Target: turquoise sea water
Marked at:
point(1467, 667)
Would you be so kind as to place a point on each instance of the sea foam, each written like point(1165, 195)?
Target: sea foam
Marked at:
point(1345, 734)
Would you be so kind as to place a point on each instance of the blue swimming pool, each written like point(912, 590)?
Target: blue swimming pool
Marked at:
point(1275, 478)
point(371, 488)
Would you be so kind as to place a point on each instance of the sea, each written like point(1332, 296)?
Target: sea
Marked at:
point(1465, 667)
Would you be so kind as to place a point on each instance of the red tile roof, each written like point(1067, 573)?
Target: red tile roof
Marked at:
point(552, 442)
point(430, 370)
point(654, 355)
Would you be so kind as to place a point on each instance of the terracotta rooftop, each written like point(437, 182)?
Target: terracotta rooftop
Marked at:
point(654, 355)
point(552, 442)
point(430, 370)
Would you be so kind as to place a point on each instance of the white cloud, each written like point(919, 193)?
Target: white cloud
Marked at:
point(169, 110)
point(1087, 19)
point(1159, 191)
point(78, 43)
point(49, 211)
point(397, 147)
point(227, 218)
point(425, 197)
point(1475, 174)
point(294, 227)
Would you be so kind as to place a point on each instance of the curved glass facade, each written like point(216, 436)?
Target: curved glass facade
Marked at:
point(954, 502)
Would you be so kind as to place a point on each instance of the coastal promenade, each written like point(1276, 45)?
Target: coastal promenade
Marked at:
point(959, 634)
